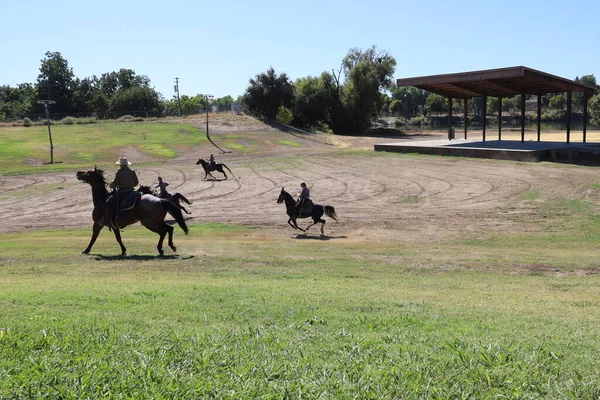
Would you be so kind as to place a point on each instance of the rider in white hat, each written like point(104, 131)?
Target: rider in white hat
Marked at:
point(125, 182)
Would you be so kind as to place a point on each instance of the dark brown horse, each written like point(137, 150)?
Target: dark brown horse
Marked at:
point(176, 198)
point(316, 212)
point(148, 209)
point(208, 168)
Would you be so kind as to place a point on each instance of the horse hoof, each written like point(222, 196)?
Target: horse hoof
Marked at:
point(161, 252)
point(85, 252)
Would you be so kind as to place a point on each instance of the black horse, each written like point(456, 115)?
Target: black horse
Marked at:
point(148, 210)
point(316, 212)
point(208, 168)
point(176, 198)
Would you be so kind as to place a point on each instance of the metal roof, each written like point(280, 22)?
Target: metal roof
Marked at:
point(495, 82)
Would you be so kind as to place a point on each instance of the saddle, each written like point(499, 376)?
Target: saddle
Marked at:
point(129, 200)
point(307, 207)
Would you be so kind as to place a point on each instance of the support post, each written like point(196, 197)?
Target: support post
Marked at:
point(569, 101)
point(449, 118)
point(585, 112)
point(500, 118)
point(484, 115)
point(539, 117)
point(522, 117)
point(465, 100)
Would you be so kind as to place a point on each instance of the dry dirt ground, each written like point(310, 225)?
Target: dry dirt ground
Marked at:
point(377, 196)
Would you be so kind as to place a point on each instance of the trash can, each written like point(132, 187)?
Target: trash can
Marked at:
point(451, 134)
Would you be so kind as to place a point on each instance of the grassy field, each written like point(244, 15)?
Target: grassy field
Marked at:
point(240, 315)
point(23, 149)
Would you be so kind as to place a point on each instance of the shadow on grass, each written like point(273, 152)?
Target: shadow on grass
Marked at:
point(101, 257)
point(318, 237)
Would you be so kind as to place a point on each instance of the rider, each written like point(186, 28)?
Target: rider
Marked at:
point(125, 181)
point(302, 198)
point(162, 185)
point(211, 162)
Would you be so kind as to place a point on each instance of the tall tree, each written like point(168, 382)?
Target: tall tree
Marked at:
point(56, 82)
point(594, 109)
point(15, 102)
point(267, 92)
point(309, 101)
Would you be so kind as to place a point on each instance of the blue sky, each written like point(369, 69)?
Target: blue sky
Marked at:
point(216, 47)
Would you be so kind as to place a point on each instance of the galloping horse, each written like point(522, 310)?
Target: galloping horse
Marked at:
point(176, 198)
point(316, 213)
point(148, 209)
point(217, 167)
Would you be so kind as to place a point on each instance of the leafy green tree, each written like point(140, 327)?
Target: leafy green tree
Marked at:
point(558, 102)
point(284, 115)
point(309, 101)
point(56, 82)
point(15, 102)
point(223, 103)
point(435, 104)
point(589, 80)
point(267, 92)
point(136, 100)
point(411, 100)
point(594, 109)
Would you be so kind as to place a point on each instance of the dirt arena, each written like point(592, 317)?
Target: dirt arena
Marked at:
point(377, 196)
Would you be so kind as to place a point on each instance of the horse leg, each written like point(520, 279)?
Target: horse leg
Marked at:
point(95, 232)
point(294, 225)
point(170, 240)
point(224, 174)
point(118, 237)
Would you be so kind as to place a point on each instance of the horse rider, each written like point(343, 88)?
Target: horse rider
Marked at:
point(124, 182)
point(302, 198)
point(211, 163)
point(162, 186)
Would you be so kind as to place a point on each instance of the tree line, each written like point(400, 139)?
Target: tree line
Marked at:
point(110, 95)
point(344, 101)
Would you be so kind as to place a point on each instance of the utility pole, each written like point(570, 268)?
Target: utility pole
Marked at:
point(208, 97)
point(177, 91)
point(45, 103)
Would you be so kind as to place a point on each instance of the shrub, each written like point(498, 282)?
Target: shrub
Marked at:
point(27, 121)
point(68, 121)
point(126, 118)
point(284, 115)
point(89, 120)
point(420, 120)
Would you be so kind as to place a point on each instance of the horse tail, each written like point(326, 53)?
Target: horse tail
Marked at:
point(330, 212)
point(227, 168)
point(182, 197)
point(172, 209)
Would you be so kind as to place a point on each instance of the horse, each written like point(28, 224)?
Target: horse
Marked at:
point(148, 209)
point(316, 212)
point(176, 198)
point(217, 167)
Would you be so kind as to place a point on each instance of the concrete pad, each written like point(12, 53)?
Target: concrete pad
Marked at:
point(529, 151)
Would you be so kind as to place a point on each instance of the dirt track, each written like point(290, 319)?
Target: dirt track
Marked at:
point(377, 196)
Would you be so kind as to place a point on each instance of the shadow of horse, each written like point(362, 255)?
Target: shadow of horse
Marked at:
point(314, 237)
point(101, 257)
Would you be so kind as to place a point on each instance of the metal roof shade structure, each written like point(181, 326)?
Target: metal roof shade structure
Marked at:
point(500, 83)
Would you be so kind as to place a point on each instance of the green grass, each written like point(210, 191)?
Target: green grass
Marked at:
point(239, 315)
point(25, 150)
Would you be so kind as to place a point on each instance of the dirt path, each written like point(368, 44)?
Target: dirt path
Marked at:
point(377, 196)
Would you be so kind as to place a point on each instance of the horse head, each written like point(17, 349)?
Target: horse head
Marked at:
point(281, 197)
point(93, 176)
point(145, 189)
point(201, 161)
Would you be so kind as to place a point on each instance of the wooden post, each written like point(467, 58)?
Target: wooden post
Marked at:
point(569, 101)
point(585, 112)
point(539, 117)
point(449, 118)
point(500, 118)
point(522, 117)
point(466, 116)
point(484, 115)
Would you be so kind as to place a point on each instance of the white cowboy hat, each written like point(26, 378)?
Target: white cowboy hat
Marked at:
point(123, 161)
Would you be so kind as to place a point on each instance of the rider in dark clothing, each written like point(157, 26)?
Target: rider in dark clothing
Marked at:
point(125, 182)
point(304, 196)
point(211, 163)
